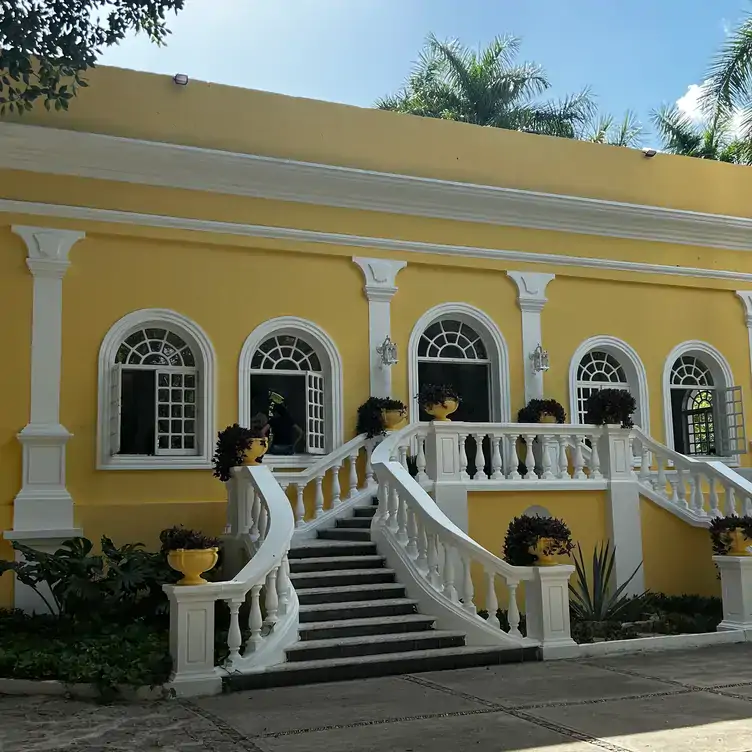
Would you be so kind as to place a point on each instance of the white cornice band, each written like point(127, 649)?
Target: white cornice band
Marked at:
point(60, 152)
point(265, 232)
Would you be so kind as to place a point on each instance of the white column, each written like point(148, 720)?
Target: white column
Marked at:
point(43, 508)
point(531, 296)
point(746, 298)
point(736, 591)
point(380, 275)
point(623, 508)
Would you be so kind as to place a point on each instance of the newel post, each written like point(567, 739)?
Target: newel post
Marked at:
point(547, 610)
point(736, 591)
point(444, 469)
point(622, 507)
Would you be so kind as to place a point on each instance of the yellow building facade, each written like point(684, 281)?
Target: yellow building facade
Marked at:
point(168, 253)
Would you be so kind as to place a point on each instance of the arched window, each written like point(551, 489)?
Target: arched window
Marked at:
point(705, 413)
point(457, 344)
point(156, 393)
point(291, 374)
point(598, 370)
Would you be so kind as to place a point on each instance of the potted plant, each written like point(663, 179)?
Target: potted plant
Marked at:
point(237, 445)
point(536, 540)
point(438, 400)
point(189, 552)
point(731, 535)
point(542, 411)
point(377, 415)
point(610, 407)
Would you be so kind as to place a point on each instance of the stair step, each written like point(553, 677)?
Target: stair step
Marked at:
point(365, 511)
point(349, 647)
point(327, 630)
point(334, 577)
point(327, 563)
point(383, 664)
point(363, 523)
point(316, 548)
point(316, 612)
point(345, 534)
point(345, 593)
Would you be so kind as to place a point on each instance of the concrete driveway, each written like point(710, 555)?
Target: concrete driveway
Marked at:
point(665, 702)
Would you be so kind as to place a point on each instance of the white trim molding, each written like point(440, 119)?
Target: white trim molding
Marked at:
point(103, 157)
point(628, 359)
point(44, 507)
point(531, 297)
point(205, 356)
point(380, 276)
point(331, 361)
point(289, 234)
point(495, 345)
point(719, 367)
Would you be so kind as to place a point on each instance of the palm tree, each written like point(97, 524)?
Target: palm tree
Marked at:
point(713, 138)
point(486, 87)
point(604, 129)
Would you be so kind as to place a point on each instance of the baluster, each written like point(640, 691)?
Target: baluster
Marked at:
point(336, 488)
point(449, 590)
point(272, 598)
point(394, 502)
point(480, 460)
point(369, 467)
point(674, 483)
point(546, 442)
point(578, 460)
point(644, 476)
point(319, 498)
point(382, 513)
point(420, 460)
point(563, 460)
point(433, 561)
point(595, 458)
point(513, 612)
point(492, 603)
point(698, 500)
point(468, 593)
point(529, 459)
point(661, 482)
point(299, 505)
point(402, 535)
point(353, 477)
point(283, 585)
point(421, 562)
point(412, 534)
point(681, 489)
point(403, 456)
point(747, 506)
point(714, 501)
point(730, 500)
point(514, 460)
point(263, 523)
point(255, 620)
point(463, 457)
point(496, 452)
point(234, 636)
point(255, 507)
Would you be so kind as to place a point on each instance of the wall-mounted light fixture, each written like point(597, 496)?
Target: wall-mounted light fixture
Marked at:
point(539, 356)
point(388, 352)
point(181, 79)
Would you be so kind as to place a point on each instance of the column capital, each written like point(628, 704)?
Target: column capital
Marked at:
point(531, 289)
point(746, 297)
point(48, 249)
point(380, 275)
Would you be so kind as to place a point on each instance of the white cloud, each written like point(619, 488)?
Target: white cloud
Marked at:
point(689, 104)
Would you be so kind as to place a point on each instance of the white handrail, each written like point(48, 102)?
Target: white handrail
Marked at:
point(324, 464)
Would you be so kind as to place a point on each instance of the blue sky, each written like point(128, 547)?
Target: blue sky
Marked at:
point(634, 54)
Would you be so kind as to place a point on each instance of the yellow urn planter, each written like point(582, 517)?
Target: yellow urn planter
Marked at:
point(192, 563)
point(548, 419)
point(443, 410)
point(256, 450)
point(739, 543)
point(392, 418)
point(539, 549)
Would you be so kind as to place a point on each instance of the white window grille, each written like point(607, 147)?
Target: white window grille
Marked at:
point(451, 341)
point(598, 370)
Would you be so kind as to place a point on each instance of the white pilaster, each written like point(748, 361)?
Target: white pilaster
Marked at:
point(43, 506)
point(531, 297)
point(623, 508)
point(547, 609)
point(380, 275)
point(746, 298)
point(736, 591)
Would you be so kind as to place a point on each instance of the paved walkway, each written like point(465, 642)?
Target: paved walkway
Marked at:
point(666, 702)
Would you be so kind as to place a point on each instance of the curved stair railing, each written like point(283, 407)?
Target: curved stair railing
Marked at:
point(693, 489)
point(267, 525)
point(434, 559)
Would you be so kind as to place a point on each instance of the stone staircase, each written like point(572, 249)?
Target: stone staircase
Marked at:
point(356, 621)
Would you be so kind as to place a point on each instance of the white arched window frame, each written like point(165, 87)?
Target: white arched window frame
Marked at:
point(700, 365)
point(323, 375)
point(630, 365)
point(190, 371)
point(492, 340)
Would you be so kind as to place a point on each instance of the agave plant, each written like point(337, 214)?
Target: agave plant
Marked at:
point(597, 601)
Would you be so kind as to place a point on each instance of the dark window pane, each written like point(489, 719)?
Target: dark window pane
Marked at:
point(177, 395)
point(176, 442)
point(288, 422)
point(190, 380)
point(190, 426)
point(164, 379)
point(164, 442)
point(189, 442)
point(188, 359)
point(190, 411)
point(163, 411)
point(177, 411)
point(164, 426)
point(190, 395)
point(177, 379)
point(137, 416)
point(164, 395)
point(155, 359)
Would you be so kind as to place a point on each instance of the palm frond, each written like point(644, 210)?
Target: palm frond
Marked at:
point(629, 132)
point(730, 73)
point(677, 131)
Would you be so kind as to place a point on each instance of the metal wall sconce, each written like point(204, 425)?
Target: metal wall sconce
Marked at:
point(539, 356)
point(388, 352)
